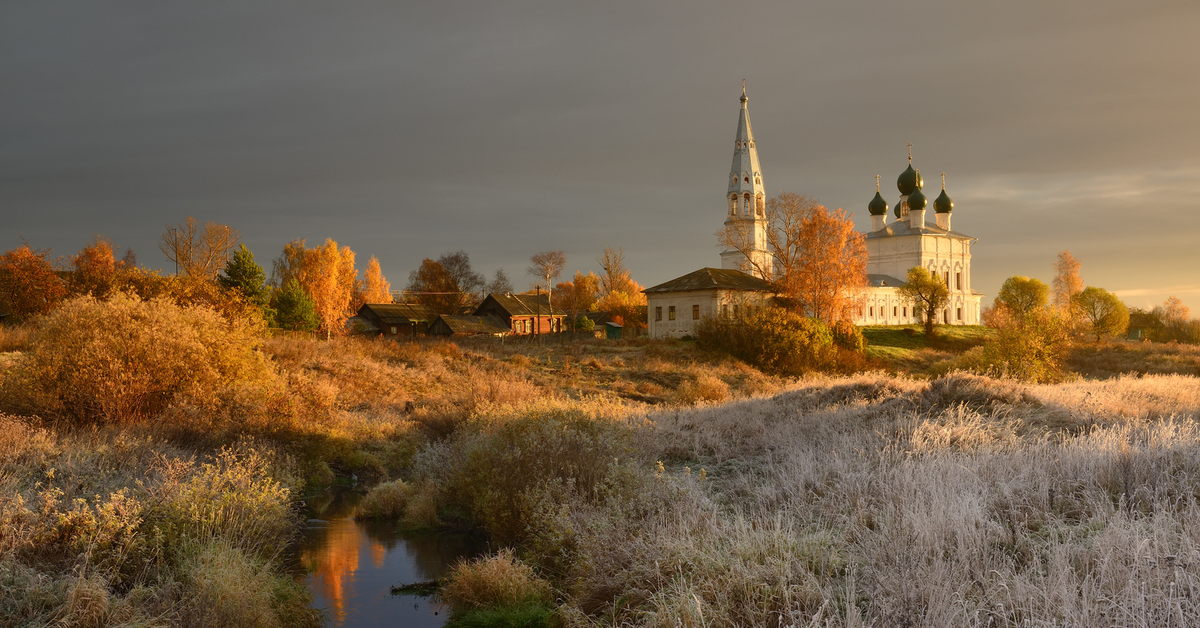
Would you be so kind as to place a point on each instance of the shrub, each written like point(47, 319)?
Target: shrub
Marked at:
point(848, 336)
point(496, 581)
point(489, 470)
point(1031, 350)
point(384, 501)
point(127, 360)
point(703, 388)
point(773, 339)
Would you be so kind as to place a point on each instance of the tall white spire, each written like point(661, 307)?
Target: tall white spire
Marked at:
point(745, 221)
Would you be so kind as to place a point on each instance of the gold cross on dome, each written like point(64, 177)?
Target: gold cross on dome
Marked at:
point(943, 180)
point(910, 153)
point(876, 183)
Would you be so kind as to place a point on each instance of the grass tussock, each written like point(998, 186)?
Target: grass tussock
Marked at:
point(497, 590)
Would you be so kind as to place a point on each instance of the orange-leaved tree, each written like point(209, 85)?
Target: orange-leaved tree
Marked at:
point(820, 261)
point(332, 283)
point(29, 284)
point(1067, 283)
point(93, 270)
point(376, 288)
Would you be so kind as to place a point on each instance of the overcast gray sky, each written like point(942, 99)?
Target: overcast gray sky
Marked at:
point(411, 129)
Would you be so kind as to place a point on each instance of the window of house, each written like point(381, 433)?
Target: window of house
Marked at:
point(906, 312)
point(871, 312)
point(895, 310)
point(393, 330)
point(735, 310)
point(671, 312)
point(658, 313)
point(958, 314)
point(958, 281)
point(946, 316)
point(695, 312)
point(946, 276)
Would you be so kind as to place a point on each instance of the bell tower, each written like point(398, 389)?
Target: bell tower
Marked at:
point(745, 213)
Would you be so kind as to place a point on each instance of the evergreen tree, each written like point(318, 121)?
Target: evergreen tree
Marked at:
point(245, 276)
point(294, 308)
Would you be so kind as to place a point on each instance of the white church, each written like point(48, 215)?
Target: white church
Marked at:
point(674, 307)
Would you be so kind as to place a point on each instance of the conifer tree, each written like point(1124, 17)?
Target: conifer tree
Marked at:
point(243, 275)
point(294, 309)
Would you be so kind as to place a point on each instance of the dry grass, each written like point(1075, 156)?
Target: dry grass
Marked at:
point(496, 580)
point(882, 501)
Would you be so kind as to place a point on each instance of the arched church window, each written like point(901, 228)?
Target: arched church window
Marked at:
point(746, 178)
point(758, 205)
point(732, 205)
point(748, 204)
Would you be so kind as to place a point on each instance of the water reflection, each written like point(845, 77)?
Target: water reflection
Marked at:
point(350, 566)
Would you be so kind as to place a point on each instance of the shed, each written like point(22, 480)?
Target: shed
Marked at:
point(465, 325)
point(613, 331)
point(398, 319)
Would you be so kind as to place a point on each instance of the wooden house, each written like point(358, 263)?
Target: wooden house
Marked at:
point(465, 325)
point(523, 314)
point(397, 319)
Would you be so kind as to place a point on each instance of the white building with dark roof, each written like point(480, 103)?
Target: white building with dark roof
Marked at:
point(910, 241)
point(674, 307)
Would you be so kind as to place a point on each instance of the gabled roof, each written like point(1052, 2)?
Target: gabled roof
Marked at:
point(522, 304)
point(713, 279)
point(398, 313)
point(466, 324)
point(884, 281)
point(902, 228)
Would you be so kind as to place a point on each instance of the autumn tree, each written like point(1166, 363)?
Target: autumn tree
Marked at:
point(1067, 283)
point(93, 269)
point(245, 277)
point(1104, 313)
point(616, 277)
point(1174, 316)
point(1021, 296)
point(376, 287)
point(579, 294)
point(128, 262)
point(927, 294)
point(332, 283)
point(547, 266)
point(500, 283)
point(620, 295)
point(29, 285)
point(295, 262)
point(820, 260)
point(447, 285)
point(199, 251)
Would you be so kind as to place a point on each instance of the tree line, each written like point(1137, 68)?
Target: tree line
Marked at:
point(309, 288)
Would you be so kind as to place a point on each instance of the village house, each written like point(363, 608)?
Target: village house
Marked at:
point(523, 314)
point(397, 319)
point(466, 325)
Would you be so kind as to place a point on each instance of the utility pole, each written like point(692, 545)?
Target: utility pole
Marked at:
point(538, 297)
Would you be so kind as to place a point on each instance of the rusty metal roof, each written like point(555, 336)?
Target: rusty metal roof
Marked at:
point(523, 304)
point(399, 313)
point(713, 279)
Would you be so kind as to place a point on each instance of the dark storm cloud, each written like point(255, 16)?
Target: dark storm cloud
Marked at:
point(504, 128)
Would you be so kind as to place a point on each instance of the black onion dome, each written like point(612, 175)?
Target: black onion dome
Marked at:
point(943, 204)
point(908, 181)
point(878, 206)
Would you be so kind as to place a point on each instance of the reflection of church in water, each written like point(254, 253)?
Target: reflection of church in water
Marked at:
point(892, 248)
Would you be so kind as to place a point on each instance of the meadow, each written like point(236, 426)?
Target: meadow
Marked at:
point(631, 483)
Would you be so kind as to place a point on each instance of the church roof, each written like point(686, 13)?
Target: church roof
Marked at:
point(902, 228)
point(884, 281)
point(713, 279)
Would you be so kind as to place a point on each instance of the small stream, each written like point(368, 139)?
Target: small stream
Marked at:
point(350, 566)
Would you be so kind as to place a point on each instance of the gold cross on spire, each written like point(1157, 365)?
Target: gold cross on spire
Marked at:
point(943, 181)
point(876, 183)
point(910, 153)
point(743, 87)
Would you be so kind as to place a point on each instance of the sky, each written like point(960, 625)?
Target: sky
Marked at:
point(408, 130)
